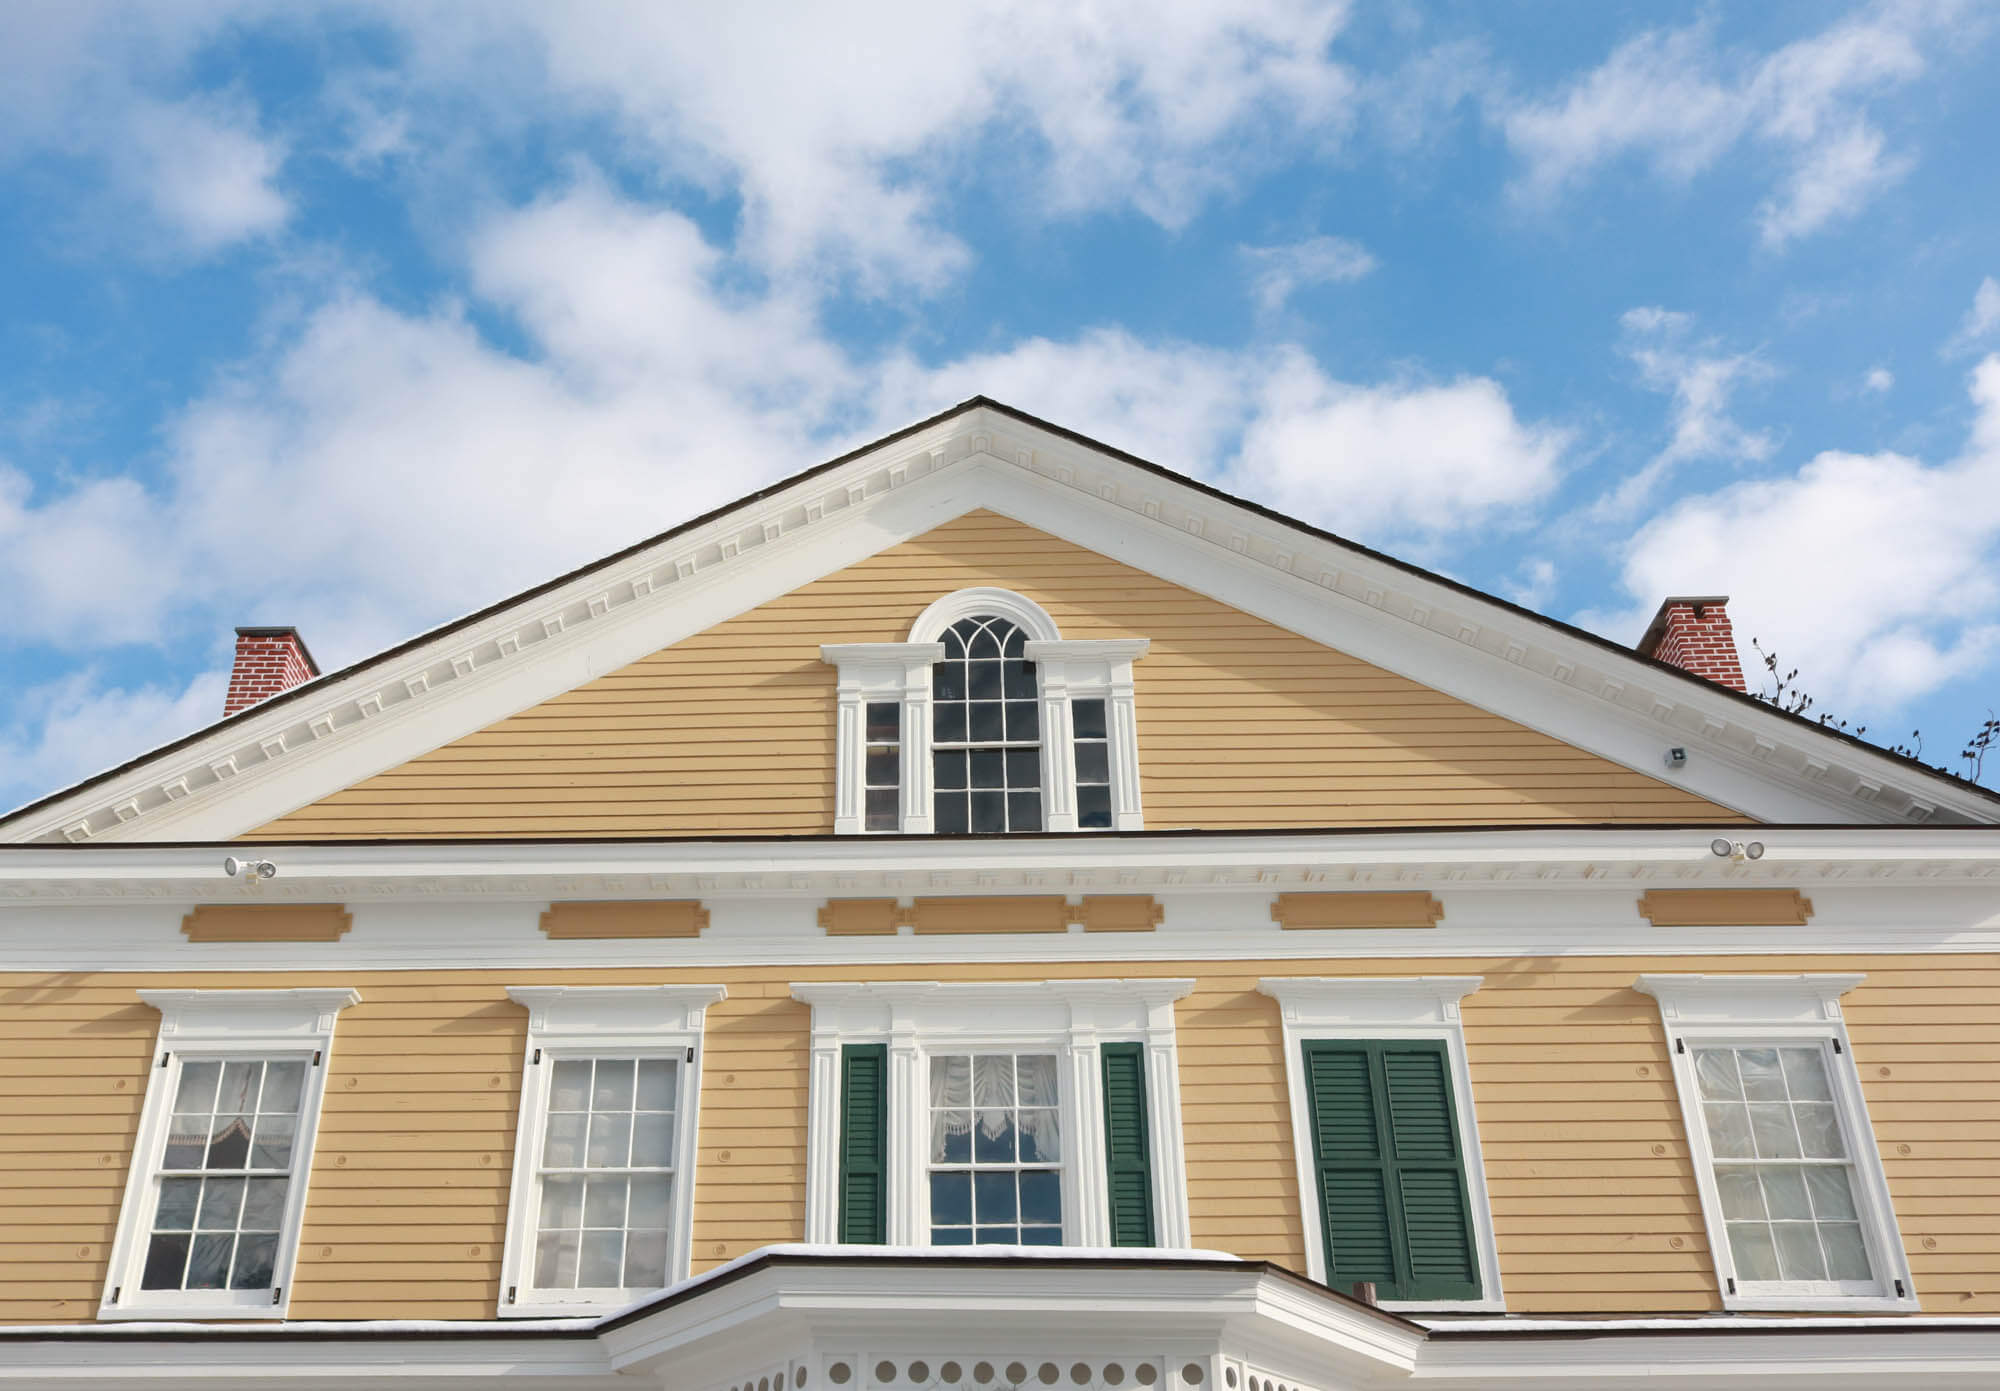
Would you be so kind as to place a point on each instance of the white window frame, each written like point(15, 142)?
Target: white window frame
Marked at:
point(230, 1025)
point(1069, 1018)
point(1364, 1008)
point(1066, 670)
point(592, 1021)
point(1762, 1011)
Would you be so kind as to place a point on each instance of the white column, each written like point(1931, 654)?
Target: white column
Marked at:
point(1122, 724)
point(918, 802)
point(823, 1140)
point(1058, 750)
point(850, 755)
point(909, 1147)
point(1084, 1197)
point(1163, 1090)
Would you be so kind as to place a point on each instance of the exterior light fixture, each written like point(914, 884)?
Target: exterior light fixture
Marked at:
point(1725, 849)
point(254, 872)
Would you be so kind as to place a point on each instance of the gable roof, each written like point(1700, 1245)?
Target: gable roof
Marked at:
point(1538, 670)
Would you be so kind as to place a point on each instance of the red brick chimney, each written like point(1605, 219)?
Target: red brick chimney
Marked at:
point(1694, 635)
point(268, 661)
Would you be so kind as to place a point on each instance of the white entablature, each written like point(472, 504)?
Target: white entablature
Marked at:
point(347, 726)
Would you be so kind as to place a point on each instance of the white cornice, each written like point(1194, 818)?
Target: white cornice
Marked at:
point(246, 772)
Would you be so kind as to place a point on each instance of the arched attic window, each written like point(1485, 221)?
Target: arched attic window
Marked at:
point(986, 721)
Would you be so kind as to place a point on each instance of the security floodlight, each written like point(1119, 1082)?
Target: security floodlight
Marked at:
point(1719, 847)
point(1755, 850)
point(251, 870)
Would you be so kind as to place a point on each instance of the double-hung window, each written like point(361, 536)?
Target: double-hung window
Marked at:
point(1796, 1202)
point(986, 721)
point(216, 1192)
point(1016, 1114)
point(1385, 1140)
point(603, 1160)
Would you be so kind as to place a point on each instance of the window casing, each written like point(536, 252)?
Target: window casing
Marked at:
point(1000, 724)
point(995, 1096)
point(216, 1192)
point(1385, 1011)
point(604, 1153)
point(1792, 1188)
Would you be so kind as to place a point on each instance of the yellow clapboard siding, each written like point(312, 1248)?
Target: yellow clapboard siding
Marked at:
point(1587, 1164)
point(1241, 724)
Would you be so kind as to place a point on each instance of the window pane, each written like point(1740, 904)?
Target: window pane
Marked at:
point(239, 1087)
point(951, 1199)
point(652, 1200)
point(652, 1141)
point(604, 1202)
point(1019, 682)
point(880, 809)
point(208, 1261)
point(187, 1142)
point(283, 1083)
point(197, 1089)
point(1771, 1124)
point(273, 1147)
point(1846, 1252)
point(255, 1258)
point(264, 1204)
point(221, 1204)
point(993, 1137)
point(1799, 1255)
point(951, 1236)
point(1024, 720)
point(1728, 1130)
point(1038, 1079)
point(882, 766)
point(1750, 1245)
point(1024, 811)
point(1093, 807)
point(569, 1089)
point(948, 723)
point(884, 721)
point(948, 767)
point(562, 1203)
point(229, 1142)
point(997, 1236)
point(989, 812)
point(166, 1258)
point(1763, 1080)
point(1805, 1074)
point(1819, 1131)
point(983, 723)
point(954, 813)
point(1087, 717)
point(601, 1260)
point(989, 768)
point(178, 1197)
point(555, 1260)
point(951, 1137)
point(984, 680)
point(612, 1089)
point(1093, 763)
point(610, 1140)
point(1016, 642)
point(1040, 1141)
point(993, 1080)
point(1041, 1236)
point(994, 1198)
point(1041, 1196)
point(1742, 1196)
point(948, 681)
point(951, 1081)
point(562, 1146)
point(1024, 768)
point(645, 1260)
point(1785, 1193)
point(980, 641)
point(1715, 1073)
point(1832, 1198)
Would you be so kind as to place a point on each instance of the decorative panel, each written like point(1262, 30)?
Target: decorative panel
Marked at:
point(267, 922)
point(1020, 913)
point(639, 918)
point(1725, 907)
point(1119, 913)
point(859, 917)
point(1357, 910)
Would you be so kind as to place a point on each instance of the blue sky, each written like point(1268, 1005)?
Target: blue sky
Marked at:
point(360, 316)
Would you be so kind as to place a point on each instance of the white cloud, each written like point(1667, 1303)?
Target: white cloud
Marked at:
point(1981, 321)
point(1277, 272)
point(1674, 101)
point(205, 170)
point(1877, 576)
point(67, 729)
point(1878, 381)
point(1702, 381)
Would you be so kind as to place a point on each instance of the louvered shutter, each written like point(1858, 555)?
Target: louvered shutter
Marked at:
point(864, 1132)
point(1128, 1153)
point(1392, 1186)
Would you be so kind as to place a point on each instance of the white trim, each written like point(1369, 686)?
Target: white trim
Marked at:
point(881, 671)
point(262, 1024)
point(1070, 1018)
point(1087, 669)
point(1361, 1007)
point(1758, 1009)
point(978, 601)
point(1421, 627)
point(595, 1021)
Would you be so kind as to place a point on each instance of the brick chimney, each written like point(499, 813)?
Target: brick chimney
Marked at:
point(268, 661)
point(1693, 633)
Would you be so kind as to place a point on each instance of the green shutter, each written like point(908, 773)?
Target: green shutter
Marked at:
point(1392, 1187)
point(1128, 1156)
point(864, 1138)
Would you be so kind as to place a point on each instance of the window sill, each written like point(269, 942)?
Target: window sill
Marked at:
point(1822, 1303)
point(1441, 1306)
point(164, 1312)
point(531, 1307)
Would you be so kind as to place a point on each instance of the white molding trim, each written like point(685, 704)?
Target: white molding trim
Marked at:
point(1777, 1010)
point(1024, 613)
point(1071, 1018)
point(597, 1021)
point(1362, 1007)
point(262, 1024)
point(1091, 669)
point(241, 774)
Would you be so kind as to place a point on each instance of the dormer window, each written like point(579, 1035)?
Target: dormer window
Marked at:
point(986, 721)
